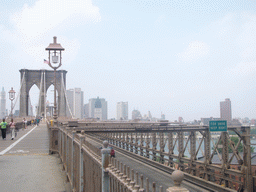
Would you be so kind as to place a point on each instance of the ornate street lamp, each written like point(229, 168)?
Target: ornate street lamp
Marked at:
point(54, 62)
point(12, 97)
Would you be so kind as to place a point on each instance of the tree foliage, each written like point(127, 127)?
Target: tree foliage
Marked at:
point(234, 142)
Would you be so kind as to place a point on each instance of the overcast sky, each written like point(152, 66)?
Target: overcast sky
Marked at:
point(178, 57)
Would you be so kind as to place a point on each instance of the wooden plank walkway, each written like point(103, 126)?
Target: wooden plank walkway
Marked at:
point(26, 166)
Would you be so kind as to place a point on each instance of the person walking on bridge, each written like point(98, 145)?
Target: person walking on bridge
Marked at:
point(3, 125)
point(37, 121)
point(25, 123)
point(12, 127)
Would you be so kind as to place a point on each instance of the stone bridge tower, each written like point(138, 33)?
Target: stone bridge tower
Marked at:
point(43, 79)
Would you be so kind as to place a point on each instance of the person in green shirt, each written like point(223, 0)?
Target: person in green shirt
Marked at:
point(3, 125)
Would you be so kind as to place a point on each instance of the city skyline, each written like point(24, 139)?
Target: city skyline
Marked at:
point(225, 110)
point(178, 58)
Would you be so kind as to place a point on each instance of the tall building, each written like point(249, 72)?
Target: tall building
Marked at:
point(86, 110)
point(76, 103)
point(225, 110)
point(136, 114)
point(98, 109)
point(3, 103)
point(104, 107)
point(122, 110)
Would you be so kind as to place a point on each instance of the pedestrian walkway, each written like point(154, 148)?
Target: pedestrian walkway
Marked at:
point(26, 166)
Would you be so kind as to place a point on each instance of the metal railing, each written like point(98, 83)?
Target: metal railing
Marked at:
point(82, 162)
point(183, 148)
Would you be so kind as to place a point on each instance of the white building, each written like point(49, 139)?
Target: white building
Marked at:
point(76, 103)
point(122, 111)
point(103, 110)
point(98, 109)
point(3, 104)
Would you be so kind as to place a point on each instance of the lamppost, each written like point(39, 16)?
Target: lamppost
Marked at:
point(54, 50)
point(12, 97)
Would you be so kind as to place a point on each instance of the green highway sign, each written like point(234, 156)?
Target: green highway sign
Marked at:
point(218, 125)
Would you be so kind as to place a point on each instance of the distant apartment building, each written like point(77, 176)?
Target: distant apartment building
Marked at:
point(104, 108)
point(136, 114)
point(75, 103)
point(122, 110)
point(162, 116)
point(225, 110)
point(3, 103)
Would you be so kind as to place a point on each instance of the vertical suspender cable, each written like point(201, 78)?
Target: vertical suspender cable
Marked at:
point(62, 83)
point(22, 81)
point(44, 96)
point(39, 102)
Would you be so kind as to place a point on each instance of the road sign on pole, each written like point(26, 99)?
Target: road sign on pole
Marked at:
point(218, 126)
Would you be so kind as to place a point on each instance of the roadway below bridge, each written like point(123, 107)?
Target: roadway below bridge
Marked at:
point(160, 177)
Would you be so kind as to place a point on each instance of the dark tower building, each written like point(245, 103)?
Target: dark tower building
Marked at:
point(225, 110)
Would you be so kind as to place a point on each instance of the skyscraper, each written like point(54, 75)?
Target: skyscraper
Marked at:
point(225, 110)
point(86, 110)
point(104, 107)
point(76, 103)
point(3, 104)
point(122, 111)
point(98, 109)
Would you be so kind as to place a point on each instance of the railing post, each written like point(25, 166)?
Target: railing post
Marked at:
point(72, 159)
point(170, 148)
point(105, 152)
point(81, 159)
point(177, 177)
point(247, 159)
point(225, 166)
point(180, 148)
point(207, 152)
point(162, 145)
point(192, 152)
point(154, 144)
point(67, 153)
point(147, 145)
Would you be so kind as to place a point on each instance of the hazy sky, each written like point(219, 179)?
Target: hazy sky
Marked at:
point(178, 57)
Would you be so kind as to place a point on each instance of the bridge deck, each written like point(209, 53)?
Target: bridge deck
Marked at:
point(25, 164)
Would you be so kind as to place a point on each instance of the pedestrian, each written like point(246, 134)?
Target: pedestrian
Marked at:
point(37, 121)
point(25, 123)
point(112, 153)
point(12, 128)
point(3, 125)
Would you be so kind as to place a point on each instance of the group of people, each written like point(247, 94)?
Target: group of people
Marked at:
point(4, 125)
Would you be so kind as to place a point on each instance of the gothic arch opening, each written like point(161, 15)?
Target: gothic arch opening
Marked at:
point(43, 79)
point(33, 100)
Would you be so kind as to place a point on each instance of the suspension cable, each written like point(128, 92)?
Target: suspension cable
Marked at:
point(62, 83)
point(23, 77)
point(44, 97)
point(39, 102)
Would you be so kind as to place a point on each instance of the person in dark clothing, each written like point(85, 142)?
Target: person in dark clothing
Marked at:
point(112, 153)
point(3, 125)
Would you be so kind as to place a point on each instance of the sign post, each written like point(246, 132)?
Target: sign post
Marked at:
point(218, 126)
